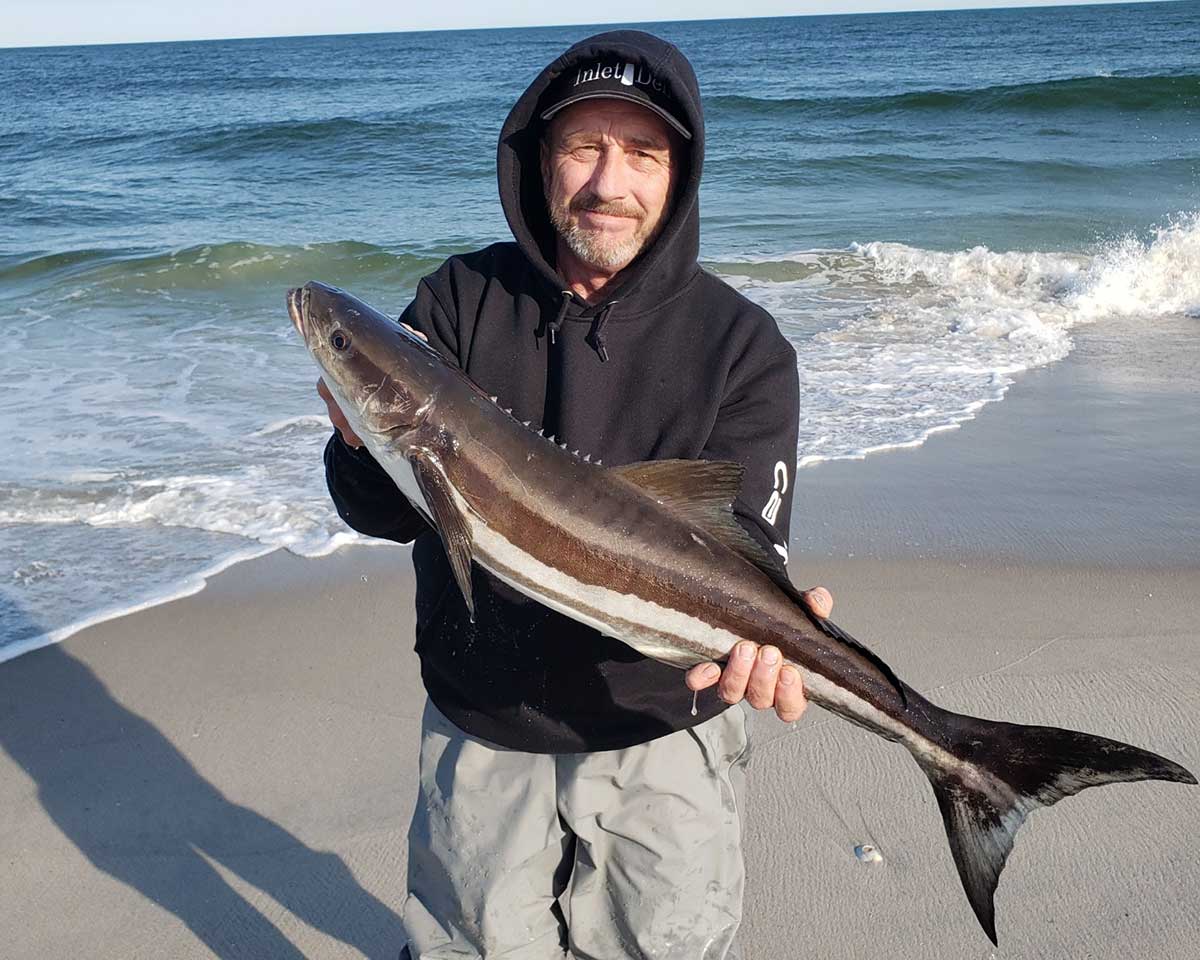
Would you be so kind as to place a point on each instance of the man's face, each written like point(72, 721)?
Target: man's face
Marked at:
point(607, 170)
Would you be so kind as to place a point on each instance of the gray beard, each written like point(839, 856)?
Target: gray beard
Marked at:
point(594, 248)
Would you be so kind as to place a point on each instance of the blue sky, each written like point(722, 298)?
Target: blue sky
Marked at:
point(44, 22)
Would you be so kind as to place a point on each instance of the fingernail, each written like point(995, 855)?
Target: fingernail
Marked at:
point(746, 651)
point(787, 677)
point(770, 655)
point(711, 672)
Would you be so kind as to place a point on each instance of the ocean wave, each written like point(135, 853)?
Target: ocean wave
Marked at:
point(1152, 276)
point(345, 133)
point(371, 134)
point(215, 267)
point(1097, 93)
point(926, 338)
point(248, 502)
point(965, 170)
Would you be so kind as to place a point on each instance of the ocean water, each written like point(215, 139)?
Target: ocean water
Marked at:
point(930, 204)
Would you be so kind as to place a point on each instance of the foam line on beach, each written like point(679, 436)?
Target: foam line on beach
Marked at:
point(178, 590)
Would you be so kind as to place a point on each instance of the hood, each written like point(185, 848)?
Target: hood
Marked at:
point(670, 263)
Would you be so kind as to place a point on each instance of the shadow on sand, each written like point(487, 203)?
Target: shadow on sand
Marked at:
point(138, 810)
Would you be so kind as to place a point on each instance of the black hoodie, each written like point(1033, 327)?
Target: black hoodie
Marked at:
point(672, 363)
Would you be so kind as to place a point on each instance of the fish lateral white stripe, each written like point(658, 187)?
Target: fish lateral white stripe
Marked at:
point(675, 637)
point(836, 698)
point(664, 641)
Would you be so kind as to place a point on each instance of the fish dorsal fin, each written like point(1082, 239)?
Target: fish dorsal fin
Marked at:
point(675, 481)
point(702, 492)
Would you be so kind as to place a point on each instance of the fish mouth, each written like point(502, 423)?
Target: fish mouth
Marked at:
point(297, 304)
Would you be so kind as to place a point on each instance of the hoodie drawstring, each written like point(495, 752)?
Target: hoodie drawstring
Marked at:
point(595, 336)
point(556, 324)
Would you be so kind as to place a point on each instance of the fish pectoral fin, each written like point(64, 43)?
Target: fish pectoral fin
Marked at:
point(451, 524)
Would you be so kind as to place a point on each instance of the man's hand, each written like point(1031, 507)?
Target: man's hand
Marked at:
point(754, 672)
point(336, 417)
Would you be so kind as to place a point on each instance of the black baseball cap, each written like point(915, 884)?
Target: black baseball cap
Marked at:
point(615, 78)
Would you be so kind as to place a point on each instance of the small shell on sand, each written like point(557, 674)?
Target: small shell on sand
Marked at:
point(866, 853)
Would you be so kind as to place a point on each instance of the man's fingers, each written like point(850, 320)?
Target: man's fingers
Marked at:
point(760, 689)
point(758, 675)
point(789, 695)
point(414, 330)
point(820, 601)
point(702, 676)
point(737, 672)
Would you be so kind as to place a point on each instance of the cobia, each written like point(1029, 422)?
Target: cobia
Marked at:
point(650, 553)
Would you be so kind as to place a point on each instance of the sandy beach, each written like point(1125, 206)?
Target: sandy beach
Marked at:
point(231, 774)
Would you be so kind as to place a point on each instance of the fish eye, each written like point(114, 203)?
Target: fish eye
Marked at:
point(339, 340)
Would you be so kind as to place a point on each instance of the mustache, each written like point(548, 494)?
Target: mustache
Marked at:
point(614, 208)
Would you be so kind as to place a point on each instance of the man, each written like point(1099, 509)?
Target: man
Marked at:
point(573, 795)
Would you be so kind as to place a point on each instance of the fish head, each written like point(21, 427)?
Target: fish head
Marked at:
point(383, 376)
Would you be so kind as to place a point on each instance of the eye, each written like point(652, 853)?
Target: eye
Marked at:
point(339, 340)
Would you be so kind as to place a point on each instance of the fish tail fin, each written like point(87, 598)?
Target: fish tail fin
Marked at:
point(1007, 770)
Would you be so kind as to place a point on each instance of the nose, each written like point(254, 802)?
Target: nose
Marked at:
point(610, 179)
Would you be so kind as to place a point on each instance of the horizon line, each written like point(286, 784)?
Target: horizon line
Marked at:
point(1019, 5)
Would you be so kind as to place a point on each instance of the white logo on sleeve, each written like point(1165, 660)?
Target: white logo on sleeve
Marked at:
point(771, 511)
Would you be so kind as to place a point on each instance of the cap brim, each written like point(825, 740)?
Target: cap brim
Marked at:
point(614, 95)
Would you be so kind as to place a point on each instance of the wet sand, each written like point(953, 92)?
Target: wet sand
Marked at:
point(231, 774)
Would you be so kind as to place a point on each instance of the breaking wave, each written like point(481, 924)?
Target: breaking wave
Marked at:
point(922, 339)
point(1095, 93)
point(217, 267)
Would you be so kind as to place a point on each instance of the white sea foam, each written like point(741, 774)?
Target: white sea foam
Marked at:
point(245, 503)
point(305, 420)
point(922, 339)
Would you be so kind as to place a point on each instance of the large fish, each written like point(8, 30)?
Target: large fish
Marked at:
point(650, 553)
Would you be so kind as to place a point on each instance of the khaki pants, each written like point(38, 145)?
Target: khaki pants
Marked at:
point(620, 855)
